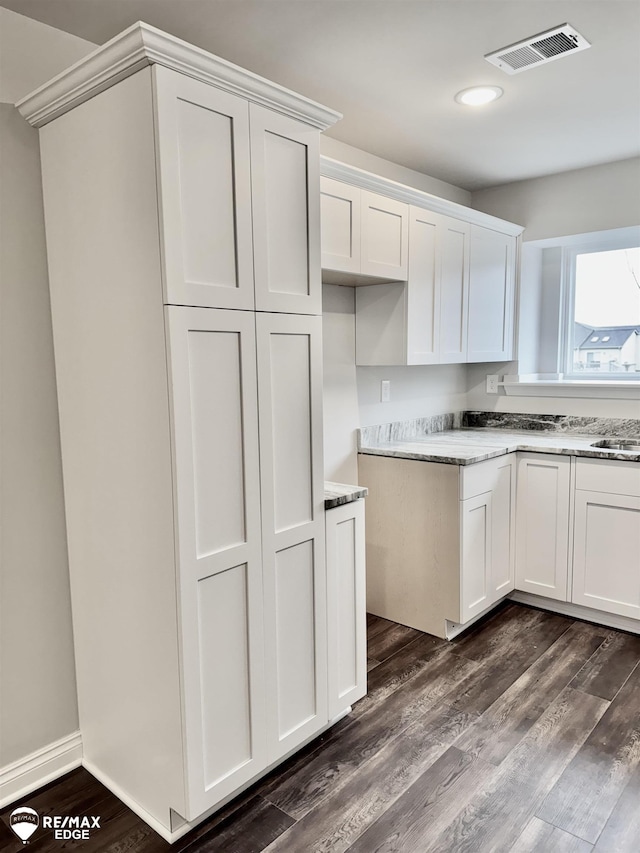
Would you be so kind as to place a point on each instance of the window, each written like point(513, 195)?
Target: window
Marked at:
point(602, 301)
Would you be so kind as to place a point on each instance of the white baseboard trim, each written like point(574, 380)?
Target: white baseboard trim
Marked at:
point(26, 775)
point(578, 611)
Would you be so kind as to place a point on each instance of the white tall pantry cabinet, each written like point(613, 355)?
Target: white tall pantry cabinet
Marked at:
point(182, 215)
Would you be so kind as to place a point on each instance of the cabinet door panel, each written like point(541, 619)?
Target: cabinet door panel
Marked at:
point(292, 488)
point(491, 295)
point(385, 237)
point(606, 569)
point(476, 535)
point(346, 606)
point(285, 179)
point(454, 291)
point(542, 525)
point(503, 534)
point(340, 220)
point(215, 436)
point(423, 289)
point(202, 140)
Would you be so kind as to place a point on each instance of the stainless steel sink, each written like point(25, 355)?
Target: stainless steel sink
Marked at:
point(629, 444)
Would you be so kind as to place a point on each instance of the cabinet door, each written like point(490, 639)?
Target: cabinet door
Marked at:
point(285, 180)
point(385, 237)
point(202, 140)
point(606, 568)
point(542, 524)
point(290, 406)
point(503, 550)
point(346, 606)
point(476, 592)
point(491, 295)
point(423, 288)
point(454, 290)
point(340, 221)
point(215, 435)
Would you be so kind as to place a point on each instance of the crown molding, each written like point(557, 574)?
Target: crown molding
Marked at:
point(401, 192)
point(142, 45)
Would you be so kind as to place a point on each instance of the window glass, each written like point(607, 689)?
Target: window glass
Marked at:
point(606, 328)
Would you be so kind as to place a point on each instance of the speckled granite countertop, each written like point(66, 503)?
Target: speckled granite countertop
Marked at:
point(336, 494)
point(464, 445)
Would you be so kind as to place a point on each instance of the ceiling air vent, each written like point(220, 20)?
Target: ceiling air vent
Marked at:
point(539, 49)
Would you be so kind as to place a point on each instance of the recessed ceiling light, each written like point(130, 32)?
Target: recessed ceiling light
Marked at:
point(478, 95)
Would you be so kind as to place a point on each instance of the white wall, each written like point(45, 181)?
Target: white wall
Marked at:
point(38, 700)
point(371, 163)
point(598, 198)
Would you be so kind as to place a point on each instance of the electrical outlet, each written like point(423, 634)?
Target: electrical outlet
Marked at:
point(492, 383)
point(385, 391)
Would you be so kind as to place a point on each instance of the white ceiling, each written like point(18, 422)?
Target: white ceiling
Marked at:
point(392, 68)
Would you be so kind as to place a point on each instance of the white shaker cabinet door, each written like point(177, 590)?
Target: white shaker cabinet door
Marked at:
point(606, 557)
point(491, 295)
point(423, 288)
point(290, 404)
point(340, 219)
point(454, 290)
point(285, 180)
point(476, 534)
point(385, 237)
point(202, 146)
point(346, 606)
point(542, 524)
point(215, 434)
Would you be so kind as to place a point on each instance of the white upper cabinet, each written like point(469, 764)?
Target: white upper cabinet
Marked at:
point(202, 139)
point(365, 235)
point(491, 295)
point(285, 180)
point(237, 182)
point(435, 282)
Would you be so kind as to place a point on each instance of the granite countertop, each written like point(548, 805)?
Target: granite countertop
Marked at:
point(336, 494)
point(464, 445)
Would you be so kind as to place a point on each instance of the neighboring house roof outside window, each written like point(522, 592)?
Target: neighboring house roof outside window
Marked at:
point(602, 337)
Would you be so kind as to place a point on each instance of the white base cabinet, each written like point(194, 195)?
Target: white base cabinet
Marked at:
point(606, 562)
point(346, 605)
point(191, 432)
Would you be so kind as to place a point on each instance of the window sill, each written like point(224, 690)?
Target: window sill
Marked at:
point(555, 386)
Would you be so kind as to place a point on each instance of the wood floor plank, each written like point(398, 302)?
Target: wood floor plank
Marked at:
point(489, 637)
point(622, 831)
point(390, 640)
point(539, 836)
point(610, 667)
point(497, 672)
point(391, 674)
point(357, 801)
point(585, 795)
point(372, 664)
point(299, 792)
point(494, 817)
point(514, 712)
point(427, 807)
point(248, 830)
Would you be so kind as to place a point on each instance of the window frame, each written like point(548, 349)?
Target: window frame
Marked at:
point(611, 242)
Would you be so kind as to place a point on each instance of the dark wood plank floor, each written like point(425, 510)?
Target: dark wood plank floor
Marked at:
point(522, 735)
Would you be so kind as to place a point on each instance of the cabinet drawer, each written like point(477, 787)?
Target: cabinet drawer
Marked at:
point(483, 476)
point(609, 476)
